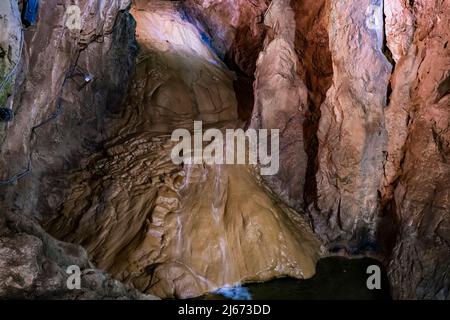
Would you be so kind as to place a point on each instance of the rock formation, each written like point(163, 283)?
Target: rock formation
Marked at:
point(34, 265)
point(418, 173)
point(377, 181)
point(351, 131)
point(56, 123)
point(281, 101)
point(358, 89)
point(179, 231)
point(235, 28)
point(11, 42)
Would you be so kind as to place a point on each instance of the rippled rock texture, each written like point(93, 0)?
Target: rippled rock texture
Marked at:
point(179, 231)
point(358, 89)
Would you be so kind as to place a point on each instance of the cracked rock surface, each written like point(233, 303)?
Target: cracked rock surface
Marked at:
point(358, 89)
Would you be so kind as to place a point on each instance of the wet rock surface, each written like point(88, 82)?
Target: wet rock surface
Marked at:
point(179, 231)
point(359, 91)
point(235, 28)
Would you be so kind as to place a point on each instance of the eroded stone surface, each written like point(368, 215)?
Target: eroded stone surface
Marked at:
point(281, 101)
point(360, 90)
point(170, 230)
point(420, 264)
point(34, 265)
point(181, 232)
point(11, 42)
point(352, 137)
point(178, 77)
point(236, 28)
point(57, 121)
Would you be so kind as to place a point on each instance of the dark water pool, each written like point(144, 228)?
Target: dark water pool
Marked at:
point(336, 278)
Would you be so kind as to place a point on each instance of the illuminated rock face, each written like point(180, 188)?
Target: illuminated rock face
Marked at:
point(179, 231)
point(178, 77)
point(383, 178)
point(352, 136)
point(281, 101)
point(57, 122)
point(10, 47)
point(32, 263)
point(359, 90)
point(375, 128)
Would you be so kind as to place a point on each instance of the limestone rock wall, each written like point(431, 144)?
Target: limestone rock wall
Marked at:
point(57, 122)
point(179, 231)
point(378, 181)
point(235, 28)
point(351, 133)
point(11, 42)
point(419, 173)
point(178, 78)
point(281, 101)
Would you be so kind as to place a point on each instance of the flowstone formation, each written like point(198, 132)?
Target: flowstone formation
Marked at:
point(358, 89)
point(179, 231)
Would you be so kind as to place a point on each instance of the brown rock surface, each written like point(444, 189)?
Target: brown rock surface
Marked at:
point(313, 49)
point(11, 42)
point(382, 181)
point(178, 78)
point(359, 90)
point(33, 264)
point(57, 122)
point(352, 137)
point(236, 28)
point(365, 194)
point(179, 231)
point(281, 100)
point(419, 268)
